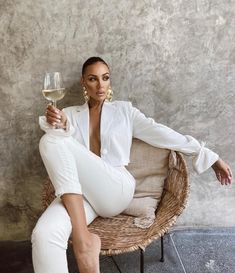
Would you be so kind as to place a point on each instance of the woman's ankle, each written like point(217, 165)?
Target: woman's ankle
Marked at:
point(86, 242)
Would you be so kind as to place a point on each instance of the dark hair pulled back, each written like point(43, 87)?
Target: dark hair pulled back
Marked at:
point(90, 61)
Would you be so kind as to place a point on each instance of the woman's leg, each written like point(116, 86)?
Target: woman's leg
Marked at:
point(50, 237)
point(74, 170)
point(86, 245)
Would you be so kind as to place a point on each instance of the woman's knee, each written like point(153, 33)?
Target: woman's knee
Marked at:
point(43, 235)
point(40, 234)
point(44, 142)
point(48, 139)
point(54, 226)
point(108, 211)
point(49, 144)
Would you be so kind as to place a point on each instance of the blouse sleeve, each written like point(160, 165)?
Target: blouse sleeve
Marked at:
point(161, 136)
point(49, 129)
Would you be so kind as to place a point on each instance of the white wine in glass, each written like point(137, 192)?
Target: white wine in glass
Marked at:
point(53, 89)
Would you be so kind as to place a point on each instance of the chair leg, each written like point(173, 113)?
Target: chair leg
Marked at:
point(141, 261)
point(162, 249)
point(118, 268)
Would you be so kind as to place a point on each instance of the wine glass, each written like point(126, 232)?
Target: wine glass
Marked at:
point(53, 89)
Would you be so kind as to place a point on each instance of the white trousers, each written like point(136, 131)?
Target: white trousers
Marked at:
point(72, 168)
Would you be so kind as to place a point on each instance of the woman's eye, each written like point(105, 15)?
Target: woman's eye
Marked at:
point(106, 78)
point(92, 79)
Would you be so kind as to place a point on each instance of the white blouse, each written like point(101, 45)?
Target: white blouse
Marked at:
point(120, 122)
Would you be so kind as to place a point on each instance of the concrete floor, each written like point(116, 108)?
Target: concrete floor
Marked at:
point(186, 251)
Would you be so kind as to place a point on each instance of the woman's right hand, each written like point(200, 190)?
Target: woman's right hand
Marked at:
point(223, 172)
point(56, 117)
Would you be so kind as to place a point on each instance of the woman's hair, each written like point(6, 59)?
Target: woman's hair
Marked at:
point(90, 61)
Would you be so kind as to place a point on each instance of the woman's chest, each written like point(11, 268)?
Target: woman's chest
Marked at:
point(94, 132)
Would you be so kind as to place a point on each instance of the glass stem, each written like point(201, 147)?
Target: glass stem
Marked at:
point(54, 103)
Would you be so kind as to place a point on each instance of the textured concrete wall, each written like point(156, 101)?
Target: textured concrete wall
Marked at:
point(173, 59)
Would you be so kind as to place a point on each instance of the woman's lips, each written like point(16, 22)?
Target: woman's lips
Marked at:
point(100, 93)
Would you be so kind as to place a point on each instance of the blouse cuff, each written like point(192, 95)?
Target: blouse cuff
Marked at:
point(49, 129)
point(204, 160)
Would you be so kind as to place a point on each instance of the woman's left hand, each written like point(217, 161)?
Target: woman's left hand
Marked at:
point(222, 172)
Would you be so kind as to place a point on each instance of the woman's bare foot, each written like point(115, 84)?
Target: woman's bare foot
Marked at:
point(87, 254)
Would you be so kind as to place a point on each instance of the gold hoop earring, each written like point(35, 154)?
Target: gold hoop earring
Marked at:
point(109, 95)
point(85, 94)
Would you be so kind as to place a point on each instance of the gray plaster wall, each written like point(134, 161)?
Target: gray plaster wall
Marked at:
point(173, 59)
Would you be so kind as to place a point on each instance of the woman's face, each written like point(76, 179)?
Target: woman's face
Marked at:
point(96, 81)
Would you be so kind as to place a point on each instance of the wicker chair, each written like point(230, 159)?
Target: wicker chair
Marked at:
point(118, 234)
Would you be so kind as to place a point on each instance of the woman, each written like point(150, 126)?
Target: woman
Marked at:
point(86, 158)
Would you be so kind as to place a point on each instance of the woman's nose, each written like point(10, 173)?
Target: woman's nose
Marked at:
point(100, 83)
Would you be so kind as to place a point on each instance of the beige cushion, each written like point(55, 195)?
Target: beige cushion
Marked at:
point(149, 166)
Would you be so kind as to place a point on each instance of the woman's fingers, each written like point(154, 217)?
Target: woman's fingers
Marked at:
point(230, 174)
point(53, 115)
point(225, 179)
point(218, 175)
point(53, 110)
point(53, 119)
point(223, 172)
